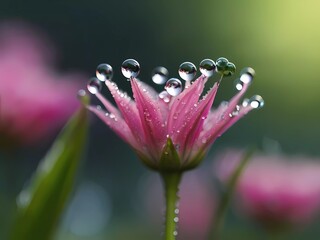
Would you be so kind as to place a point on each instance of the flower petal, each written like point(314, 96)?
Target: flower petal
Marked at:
point(181, 105)
point(128, 110)
point(198, 118)
point(220, 120)
point(150, 115)
point(118, 125)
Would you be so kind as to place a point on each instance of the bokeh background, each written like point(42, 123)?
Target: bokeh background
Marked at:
point(279, 39)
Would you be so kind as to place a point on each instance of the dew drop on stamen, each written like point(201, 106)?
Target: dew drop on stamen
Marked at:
point(246, 75)
point(245, 102)
point(104, 72)
point(94, 85)
point(207, 67)
point(238, 84)
point(187, 71)
point(130, 68)
point(81, 93)
point(160, 75)
point(173, 86)
point(256, 102)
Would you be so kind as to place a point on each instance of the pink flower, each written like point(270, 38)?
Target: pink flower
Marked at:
point(196, 206)
point(277, 191)
point(172, 130)
point(34, 98)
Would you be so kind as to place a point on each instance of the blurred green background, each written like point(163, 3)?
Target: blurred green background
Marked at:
point(279, 39)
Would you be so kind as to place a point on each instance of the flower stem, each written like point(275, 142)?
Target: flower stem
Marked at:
point(226, 197)
point(171, 182)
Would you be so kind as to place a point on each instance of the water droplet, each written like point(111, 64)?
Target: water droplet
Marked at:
point(207, 67)
point(230, 69)
point(81, 94)
point(238, 84)
point(187, 71)
point(176, 219)
point(224, 67)
point(176, 211)
point(245, 102)
point(246, 75)
point(256, 102)
point(160, 75)
point(173, 86)
point(175, 233)
point(165, 96)
point(221, 64)
point(94, 85)
point(104, 72)
point(130, 68)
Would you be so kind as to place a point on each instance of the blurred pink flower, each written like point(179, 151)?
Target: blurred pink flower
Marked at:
point(172, 130)
point(277, 191)
point(196, 206)
point(34, 98)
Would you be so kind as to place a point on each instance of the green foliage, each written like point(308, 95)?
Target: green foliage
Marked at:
point(41, 203)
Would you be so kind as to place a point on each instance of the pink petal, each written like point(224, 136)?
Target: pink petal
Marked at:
point(220, 120)
point(182, 105)
point(198, 118)
point(150, 115)
point(118, 125)
point(128, 110)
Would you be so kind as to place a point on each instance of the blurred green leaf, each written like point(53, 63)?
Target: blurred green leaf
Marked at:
point(41, 203)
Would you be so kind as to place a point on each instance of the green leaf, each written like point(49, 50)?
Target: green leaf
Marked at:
point(40, 204)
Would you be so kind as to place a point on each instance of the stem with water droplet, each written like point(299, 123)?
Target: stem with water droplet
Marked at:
point(171, 181)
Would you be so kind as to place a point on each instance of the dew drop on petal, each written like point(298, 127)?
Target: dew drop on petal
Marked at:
point(173, 86)
point(165, 96)
point(207, 67)
point(160, 75)
point(187, 71)
point(130, 68)
point(256, 102)
point(104, 72)
point(94, 85)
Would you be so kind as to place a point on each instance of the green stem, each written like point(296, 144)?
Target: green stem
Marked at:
point(226, 197)
point(171, 182)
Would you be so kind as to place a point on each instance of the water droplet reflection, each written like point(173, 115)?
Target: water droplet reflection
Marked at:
point(207, 67)
point(104, 72)
point(173, 86)
point(160, 75)
point(256, 102)
point(187, 71)
point(130, 68)
point(94, 85)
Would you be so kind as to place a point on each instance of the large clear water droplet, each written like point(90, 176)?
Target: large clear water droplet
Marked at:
point(187, 71)
point(256, 101)
point(224, 67)
point(94, 85)
point(160, 75)
point(173, 86)
point(130, 68)
point(246, 75)
point(104, 72)
point(207, 67)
